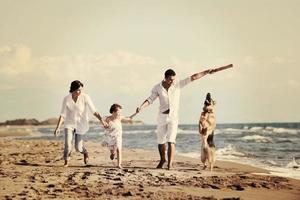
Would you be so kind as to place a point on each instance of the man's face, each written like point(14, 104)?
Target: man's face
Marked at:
point(169, 80)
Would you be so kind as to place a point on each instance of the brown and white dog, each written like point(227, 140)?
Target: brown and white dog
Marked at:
point(207, 125)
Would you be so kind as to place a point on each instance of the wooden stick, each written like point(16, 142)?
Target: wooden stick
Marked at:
point(221, 68)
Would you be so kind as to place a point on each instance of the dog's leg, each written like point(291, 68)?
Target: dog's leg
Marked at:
point(203, 157)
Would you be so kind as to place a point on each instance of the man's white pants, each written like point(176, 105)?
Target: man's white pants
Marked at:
point(166, 129)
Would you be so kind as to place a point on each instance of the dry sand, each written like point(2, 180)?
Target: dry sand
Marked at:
point(33, 170)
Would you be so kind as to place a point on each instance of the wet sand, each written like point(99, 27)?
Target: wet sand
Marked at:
point(33, 169)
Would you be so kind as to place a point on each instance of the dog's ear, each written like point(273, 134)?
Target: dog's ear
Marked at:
point(214, 102)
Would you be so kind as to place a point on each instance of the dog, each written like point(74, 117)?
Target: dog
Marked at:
point(207, 125)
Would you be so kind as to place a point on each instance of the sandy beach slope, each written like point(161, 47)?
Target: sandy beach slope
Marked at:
point(32, 169)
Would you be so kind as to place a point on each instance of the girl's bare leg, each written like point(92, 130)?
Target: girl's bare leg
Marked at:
point(119, 157)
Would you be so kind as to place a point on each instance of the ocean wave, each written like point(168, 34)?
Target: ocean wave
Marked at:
point(285, 130)
point(256, 128)
point(229, 150)
point(233, 130)
point(138, 131)
point(293, 164)
point(257, 138)
point(195, 132)
point(185, 131)
point(284, 140)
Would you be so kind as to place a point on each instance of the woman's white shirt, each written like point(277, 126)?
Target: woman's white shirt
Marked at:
point(76, 114)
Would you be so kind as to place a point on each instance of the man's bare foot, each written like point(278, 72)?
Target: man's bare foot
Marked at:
point(66, 163)
point(204, 167)
point(170, 167)
point(120, 167)
point(160, 164)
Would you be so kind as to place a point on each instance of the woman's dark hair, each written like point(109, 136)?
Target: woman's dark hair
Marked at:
point(169, 72)
point(114, 108)
point(208, 100)
point(75, 85)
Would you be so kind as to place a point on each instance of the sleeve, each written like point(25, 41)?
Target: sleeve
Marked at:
point(153, 96)
point(90, 104)
point(63, 111)
point(184, 82)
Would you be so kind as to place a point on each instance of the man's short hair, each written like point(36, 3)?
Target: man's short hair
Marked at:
point(169, 72)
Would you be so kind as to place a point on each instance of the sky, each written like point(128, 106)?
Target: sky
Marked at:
point(120, 50)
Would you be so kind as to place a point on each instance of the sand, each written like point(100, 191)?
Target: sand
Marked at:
point(33, 169)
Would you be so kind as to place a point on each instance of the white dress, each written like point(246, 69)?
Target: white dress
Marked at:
point(113, 135)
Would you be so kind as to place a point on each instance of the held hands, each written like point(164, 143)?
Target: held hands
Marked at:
point(56, 132)
point(138, 109)
point(104, 123)
point(134, 114)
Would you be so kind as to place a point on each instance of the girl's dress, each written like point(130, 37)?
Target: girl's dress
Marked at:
point(113, 135)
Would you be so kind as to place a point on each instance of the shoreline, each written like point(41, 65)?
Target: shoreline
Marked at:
point(18, 132)
point(36, 172)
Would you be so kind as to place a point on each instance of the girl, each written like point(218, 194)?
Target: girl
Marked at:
point(113, 134)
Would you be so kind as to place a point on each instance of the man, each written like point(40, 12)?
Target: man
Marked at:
point(168, 92)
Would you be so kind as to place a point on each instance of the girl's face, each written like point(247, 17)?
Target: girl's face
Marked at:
point(117, 113)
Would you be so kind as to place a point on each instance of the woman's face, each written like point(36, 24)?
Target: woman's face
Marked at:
point(77, 92)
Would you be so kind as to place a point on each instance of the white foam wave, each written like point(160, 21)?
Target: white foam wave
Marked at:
point(230, 151)
point(234, 130)
point(138, 131)
point(257, 138)
point(293, 164)
point(256, 128)
point(181, 131)
point(196, 132)
point(285, 130)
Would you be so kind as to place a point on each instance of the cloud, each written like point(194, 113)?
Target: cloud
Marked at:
point(118, 71)
point(15, 59)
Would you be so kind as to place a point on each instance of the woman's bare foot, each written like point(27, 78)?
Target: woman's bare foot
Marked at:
point(160, 164)
point(66, 163)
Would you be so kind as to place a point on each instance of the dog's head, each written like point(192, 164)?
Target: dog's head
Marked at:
point(209, 103)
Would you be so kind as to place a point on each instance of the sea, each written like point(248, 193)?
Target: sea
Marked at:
point(272, 146)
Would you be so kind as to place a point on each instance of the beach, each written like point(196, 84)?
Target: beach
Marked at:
point(33, 169)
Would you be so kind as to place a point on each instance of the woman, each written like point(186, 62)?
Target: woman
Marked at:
point(74, 113)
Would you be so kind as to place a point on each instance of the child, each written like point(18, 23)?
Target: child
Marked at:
point(207, 126)
point(113, 134)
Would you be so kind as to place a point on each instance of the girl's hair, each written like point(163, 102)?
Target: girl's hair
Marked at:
point(114, 108)
point(75, 85)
